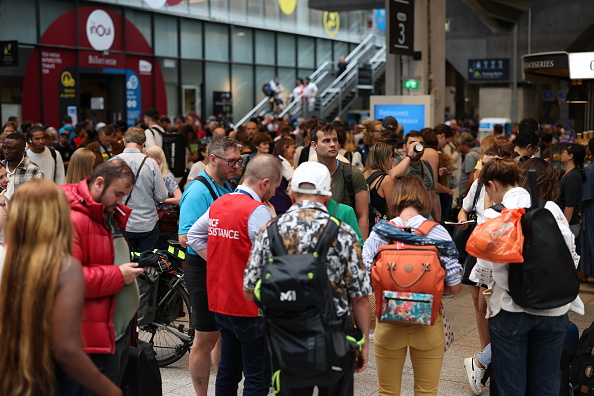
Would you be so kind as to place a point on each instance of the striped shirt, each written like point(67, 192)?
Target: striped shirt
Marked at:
point(453, 269)
point(148, 191)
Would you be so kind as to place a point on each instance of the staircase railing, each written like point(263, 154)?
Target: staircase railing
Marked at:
point(331, 95)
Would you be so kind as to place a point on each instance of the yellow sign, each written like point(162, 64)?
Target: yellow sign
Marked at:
point(287, 6)
point(67, 79)
point(331, 22)
point(8, 49)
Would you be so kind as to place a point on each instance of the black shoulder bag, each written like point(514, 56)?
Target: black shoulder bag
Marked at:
point(459, 236)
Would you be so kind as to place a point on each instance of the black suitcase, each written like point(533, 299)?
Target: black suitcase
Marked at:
point(142, 376)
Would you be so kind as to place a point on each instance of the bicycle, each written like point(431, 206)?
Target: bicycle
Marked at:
point(169, 325)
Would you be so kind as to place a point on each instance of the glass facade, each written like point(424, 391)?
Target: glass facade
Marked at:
point(197, 46)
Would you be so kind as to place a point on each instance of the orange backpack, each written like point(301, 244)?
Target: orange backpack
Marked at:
point(402, 267)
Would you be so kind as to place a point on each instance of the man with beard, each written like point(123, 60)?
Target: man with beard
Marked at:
point(111, 292)
point(224, 161)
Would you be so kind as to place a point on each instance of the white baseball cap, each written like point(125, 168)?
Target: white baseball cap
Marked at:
point(314, 173)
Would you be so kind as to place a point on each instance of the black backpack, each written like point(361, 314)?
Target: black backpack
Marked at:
point(581, 373)
point(307, 340)
point(547, 278)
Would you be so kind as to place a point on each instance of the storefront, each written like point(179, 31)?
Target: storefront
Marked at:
point(572, 75)
point(98, 67)
point(107, 61)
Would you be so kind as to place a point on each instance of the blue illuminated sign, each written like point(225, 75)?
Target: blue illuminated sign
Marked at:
point(411, 117)
point(380, 19)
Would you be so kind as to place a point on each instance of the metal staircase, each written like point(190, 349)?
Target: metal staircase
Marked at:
point(364, 75)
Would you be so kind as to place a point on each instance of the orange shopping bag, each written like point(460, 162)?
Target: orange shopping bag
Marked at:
point(500, 239)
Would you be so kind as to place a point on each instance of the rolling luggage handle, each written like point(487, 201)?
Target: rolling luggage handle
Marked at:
point(392, 267)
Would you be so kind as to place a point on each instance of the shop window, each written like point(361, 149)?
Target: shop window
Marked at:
point(191, 39)
point(340, 49)
point(217, 80)
point(285, 44)
point(18, 21)
point(166, 39)
point(265, 50)
point(216, 42)
point(242, 88)
point(191, 85)
point(242, 44)
point(305, 52)
point(263, 75)
point(142, 21)
point(287, 77)
point(50, 10)
point(323, 51)
point(170, 78)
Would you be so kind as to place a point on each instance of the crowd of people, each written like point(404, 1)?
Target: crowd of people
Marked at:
point(68, 300)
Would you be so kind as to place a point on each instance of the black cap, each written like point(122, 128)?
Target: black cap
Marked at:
point(390, 122)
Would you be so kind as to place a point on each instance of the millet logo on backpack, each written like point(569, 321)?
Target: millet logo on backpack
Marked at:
point(290, 295)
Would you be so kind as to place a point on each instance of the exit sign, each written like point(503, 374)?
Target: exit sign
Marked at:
point(411, 84)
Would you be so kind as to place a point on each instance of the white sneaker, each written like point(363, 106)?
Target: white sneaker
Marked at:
point(475, 375)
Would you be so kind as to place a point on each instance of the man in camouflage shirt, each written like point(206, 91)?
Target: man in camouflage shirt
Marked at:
point(299, 228)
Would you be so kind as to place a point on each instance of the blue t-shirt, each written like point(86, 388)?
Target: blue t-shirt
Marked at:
point(194, 202)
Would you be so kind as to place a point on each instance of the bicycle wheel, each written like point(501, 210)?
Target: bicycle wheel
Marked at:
point(172, 332)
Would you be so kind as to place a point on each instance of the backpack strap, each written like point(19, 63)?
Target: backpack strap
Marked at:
point(328, 236)
point(498, 207)
point(476, 196)
point(55, 157)
point(347, 173)
point(207, 184)
point(533, 184)
point(276, 244)
point(426, 227)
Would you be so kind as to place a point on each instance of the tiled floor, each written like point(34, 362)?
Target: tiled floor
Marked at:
point(176, 378)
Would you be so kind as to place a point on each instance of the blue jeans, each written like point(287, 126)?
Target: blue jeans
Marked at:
point(243, 348)
point(142, 241)
point(526, 352)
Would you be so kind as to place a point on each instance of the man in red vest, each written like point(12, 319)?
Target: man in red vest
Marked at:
point(229, 228)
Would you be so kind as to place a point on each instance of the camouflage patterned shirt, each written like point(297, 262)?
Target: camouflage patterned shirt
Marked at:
point(299, 228)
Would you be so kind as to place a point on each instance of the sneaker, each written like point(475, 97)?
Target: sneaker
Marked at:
point(475, 375)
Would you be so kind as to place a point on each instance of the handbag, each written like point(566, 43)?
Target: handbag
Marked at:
point(460, 236)
point(168, 219)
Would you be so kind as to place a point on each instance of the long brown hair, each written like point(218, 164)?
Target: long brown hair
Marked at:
point(38, 237)
point(81, 166)
point(546, 178)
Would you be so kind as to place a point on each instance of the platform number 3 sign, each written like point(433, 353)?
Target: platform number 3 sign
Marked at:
point(401, 22)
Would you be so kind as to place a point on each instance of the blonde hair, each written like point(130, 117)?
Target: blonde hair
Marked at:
point(157, 152)
point(349, 142)
point(81, 166)
point(378, 158)
point(38, 237)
